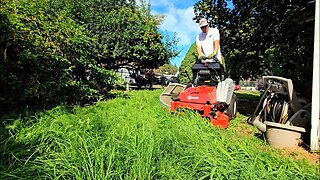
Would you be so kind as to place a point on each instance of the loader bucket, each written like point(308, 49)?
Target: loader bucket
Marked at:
point(173, 89)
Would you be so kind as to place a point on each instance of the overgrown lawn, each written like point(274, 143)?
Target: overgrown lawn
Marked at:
point(133, 137)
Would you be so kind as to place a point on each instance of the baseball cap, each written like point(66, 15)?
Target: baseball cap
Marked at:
point(203, 22)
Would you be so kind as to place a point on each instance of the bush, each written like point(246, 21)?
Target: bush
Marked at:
point(47, 59)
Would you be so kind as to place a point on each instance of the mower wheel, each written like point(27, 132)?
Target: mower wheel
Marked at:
point(232, 108)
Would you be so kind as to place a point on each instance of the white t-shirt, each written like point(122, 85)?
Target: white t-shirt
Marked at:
point(206, 40)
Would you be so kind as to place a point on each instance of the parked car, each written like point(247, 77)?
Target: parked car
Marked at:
point(126, 75)
point(143, 80)
point(134, 78)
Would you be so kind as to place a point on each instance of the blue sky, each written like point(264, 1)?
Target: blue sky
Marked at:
point(178, 18)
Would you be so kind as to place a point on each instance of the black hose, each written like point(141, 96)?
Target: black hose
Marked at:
point(274, 107)
point(253, 116)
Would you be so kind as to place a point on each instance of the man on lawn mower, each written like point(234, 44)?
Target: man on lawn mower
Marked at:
point(208, 43)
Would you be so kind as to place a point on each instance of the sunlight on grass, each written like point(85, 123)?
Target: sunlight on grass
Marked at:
point(248, 95)
point(133, 137)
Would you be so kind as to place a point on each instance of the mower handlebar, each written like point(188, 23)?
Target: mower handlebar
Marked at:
point(214, 60)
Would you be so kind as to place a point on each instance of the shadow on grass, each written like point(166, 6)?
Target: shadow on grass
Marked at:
point(260, 136)
point(29, 111)
point(247, 108)
point(154, 87)
point(248, 102)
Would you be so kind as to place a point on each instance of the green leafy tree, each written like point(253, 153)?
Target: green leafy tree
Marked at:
point(186, 64)
point(167, 68)
point(126, 34)
point(45, 58)
point(279, 40)
point(265, 38)
point(58, 51)
point(216, 12)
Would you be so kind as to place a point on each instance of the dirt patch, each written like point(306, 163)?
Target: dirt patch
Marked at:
point(298, 153)
point(301, 153)
point(244, 130)
point(265, 148)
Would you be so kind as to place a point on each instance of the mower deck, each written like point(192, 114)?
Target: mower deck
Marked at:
point(210, 94)
point(203, 100)
point(218, 119)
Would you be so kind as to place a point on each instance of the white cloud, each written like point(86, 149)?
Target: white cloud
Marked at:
point(177, 20)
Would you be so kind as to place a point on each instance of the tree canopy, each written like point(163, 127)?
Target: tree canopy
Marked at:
point(56, 51)
point(167, 69)
point(186, 64)
point(264, 38)
point(126, 34)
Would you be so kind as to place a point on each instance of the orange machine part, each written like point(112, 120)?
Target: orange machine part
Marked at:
point(220, 120)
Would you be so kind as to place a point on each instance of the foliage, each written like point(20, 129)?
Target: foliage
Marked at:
point(45, 58)
point(126, 34)
point(186, 64)
point(216, 12)
point(55, 52)
point(265, 38)
point(167, 68)
point(110, 140)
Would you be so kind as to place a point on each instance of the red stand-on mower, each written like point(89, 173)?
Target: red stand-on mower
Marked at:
point(209, 93)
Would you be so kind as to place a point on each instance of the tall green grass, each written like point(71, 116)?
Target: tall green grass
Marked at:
point(135, 138)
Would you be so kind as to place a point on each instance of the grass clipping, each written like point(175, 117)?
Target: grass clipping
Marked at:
point(133, 137)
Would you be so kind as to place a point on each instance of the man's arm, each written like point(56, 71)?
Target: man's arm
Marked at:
point(198, 43)
point(216, 46)
point(216, 40)
point(199, 50)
